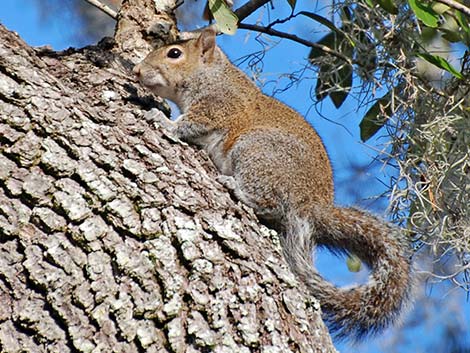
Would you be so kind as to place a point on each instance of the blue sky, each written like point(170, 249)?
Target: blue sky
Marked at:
point(340, 133)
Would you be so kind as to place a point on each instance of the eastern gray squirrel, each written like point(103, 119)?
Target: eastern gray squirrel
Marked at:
point(275, 162)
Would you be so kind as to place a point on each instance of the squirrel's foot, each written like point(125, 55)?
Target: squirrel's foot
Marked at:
point(156, 116)
point(228, 181)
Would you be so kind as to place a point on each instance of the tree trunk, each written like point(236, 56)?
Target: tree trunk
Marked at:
point(114, 237)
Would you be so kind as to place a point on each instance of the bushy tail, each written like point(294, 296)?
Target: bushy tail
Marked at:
point(365, 309)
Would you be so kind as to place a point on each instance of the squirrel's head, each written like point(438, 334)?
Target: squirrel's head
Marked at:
point(168, 70)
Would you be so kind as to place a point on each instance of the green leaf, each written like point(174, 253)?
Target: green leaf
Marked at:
point(320, 19)
point(338, 97)
point(227, 21)
point(451, 35)
point(388, 6)
point(335, 41)
point(354, 263)
point(429, 34)
point(330, 40)
point(439, 8)
point(292, 4)
point(424, 12)
point(441, 63)
point(327, 23)
point(463, 23)
point(374, 118)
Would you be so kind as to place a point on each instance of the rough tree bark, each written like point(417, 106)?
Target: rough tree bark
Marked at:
point(113, 236)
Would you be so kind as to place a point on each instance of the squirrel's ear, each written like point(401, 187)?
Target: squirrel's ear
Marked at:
point(206, 42)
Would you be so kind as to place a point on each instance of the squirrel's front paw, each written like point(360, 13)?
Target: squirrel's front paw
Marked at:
point(156, 116)
point(228, 181)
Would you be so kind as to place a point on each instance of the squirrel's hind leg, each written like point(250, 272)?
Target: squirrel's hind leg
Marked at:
point(265, 212)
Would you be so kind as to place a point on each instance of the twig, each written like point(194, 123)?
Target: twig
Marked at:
point(294, 38)
point(456, 5)
point(105, 8)
point(284, 20)
point(250, 7)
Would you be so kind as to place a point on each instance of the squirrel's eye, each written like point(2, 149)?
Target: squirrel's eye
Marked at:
point(174, 53)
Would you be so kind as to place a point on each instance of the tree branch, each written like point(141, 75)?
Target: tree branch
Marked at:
point(294, 38)
point(120, 248)
point(250, 7)
point(105, 8)
point(456, 5)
